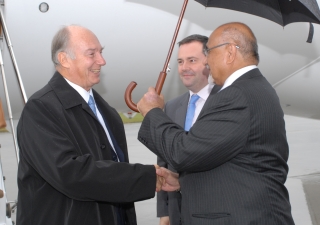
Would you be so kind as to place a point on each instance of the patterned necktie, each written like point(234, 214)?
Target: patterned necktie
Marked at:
point(190, 111)
point(92, 105)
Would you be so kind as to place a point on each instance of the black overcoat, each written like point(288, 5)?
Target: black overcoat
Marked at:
point(65, 174)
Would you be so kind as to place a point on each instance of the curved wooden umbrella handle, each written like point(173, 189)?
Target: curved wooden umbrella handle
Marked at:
point(127, 96)
point(132, 85)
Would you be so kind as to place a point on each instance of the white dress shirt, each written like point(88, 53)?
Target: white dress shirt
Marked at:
point(203, 94)
point(85, 95)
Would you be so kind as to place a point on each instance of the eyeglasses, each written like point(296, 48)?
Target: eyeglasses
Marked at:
point(206, 52)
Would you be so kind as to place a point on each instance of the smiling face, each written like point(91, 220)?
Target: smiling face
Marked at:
point(192, 66)
point(84, 68)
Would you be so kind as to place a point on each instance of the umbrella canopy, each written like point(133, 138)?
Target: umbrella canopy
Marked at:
point(282, 12)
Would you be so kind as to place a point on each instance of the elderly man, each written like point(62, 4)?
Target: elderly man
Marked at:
point(233, 161)
point(73, 165)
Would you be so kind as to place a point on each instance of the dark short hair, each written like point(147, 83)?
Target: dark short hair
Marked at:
point(195, 37)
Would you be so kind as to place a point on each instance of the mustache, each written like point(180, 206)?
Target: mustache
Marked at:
point(189, 72)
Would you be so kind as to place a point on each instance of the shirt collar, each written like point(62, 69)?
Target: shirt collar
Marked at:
point(85, 94)
point(204, 92)
point(236, 75)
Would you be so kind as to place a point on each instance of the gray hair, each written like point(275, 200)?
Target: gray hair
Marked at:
point(60, 43)
point(195, 37)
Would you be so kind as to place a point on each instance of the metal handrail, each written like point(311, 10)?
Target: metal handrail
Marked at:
point(15, 65)
point(9, 108)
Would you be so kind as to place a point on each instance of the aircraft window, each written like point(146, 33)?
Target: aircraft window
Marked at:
point(43, 7)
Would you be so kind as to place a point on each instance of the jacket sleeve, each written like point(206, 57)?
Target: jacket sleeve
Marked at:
point(162, 196)
point(218, 135)
point(46, 148)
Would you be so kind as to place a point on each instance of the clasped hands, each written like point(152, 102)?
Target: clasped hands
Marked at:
point(166, 180)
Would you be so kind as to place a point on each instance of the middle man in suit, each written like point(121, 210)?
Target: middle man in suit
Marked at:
point(194, 75)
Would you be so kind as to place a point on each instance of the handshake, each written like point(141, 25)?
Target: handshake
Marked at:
point(166, 180)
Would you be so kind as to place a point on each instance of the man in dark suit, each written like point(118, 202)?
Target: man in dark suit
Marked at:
point(233, 161)
point(194, 75)
point(73, 165)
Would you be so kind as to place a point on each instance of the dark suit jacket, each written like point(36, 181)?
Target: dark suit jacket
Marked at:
point(233, 161)
point(168, 203)
point(66, 175)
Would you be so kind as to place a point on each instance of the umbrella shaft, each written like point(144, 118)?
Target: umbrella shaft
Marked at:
point(175, 36)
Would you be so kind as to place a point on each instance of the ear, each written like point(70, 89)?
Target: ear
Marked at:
point(231, 54)
point(206, 69)
point(205, 61)
point(63, 59)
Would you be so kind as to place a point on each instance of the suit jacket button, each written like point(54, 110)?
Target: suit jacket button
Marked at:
point(102, 146)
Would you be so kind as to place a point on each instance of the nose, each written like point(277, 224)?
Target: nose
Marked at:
point(100, 60)
point(184, 66)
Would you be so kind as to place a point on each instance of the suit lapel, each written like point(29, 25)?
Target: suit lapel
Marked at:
point(107, 112)
point(181, 111)
point(68, 96)
point(215, 89)
point(114, 123)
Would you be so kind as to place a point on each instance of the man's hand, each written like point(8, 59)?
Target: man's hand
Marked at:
point(149, 101)
point(171, 179)
point(160, 180)
point(164, 220)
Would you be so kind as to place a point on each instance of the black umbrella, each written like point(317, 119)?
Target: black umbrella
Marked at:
point(282, 12)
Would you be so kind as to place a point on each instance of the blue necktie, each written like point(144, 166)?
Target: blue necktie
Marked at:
point(92, 105)
point(118, 150)
point(190, 111)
